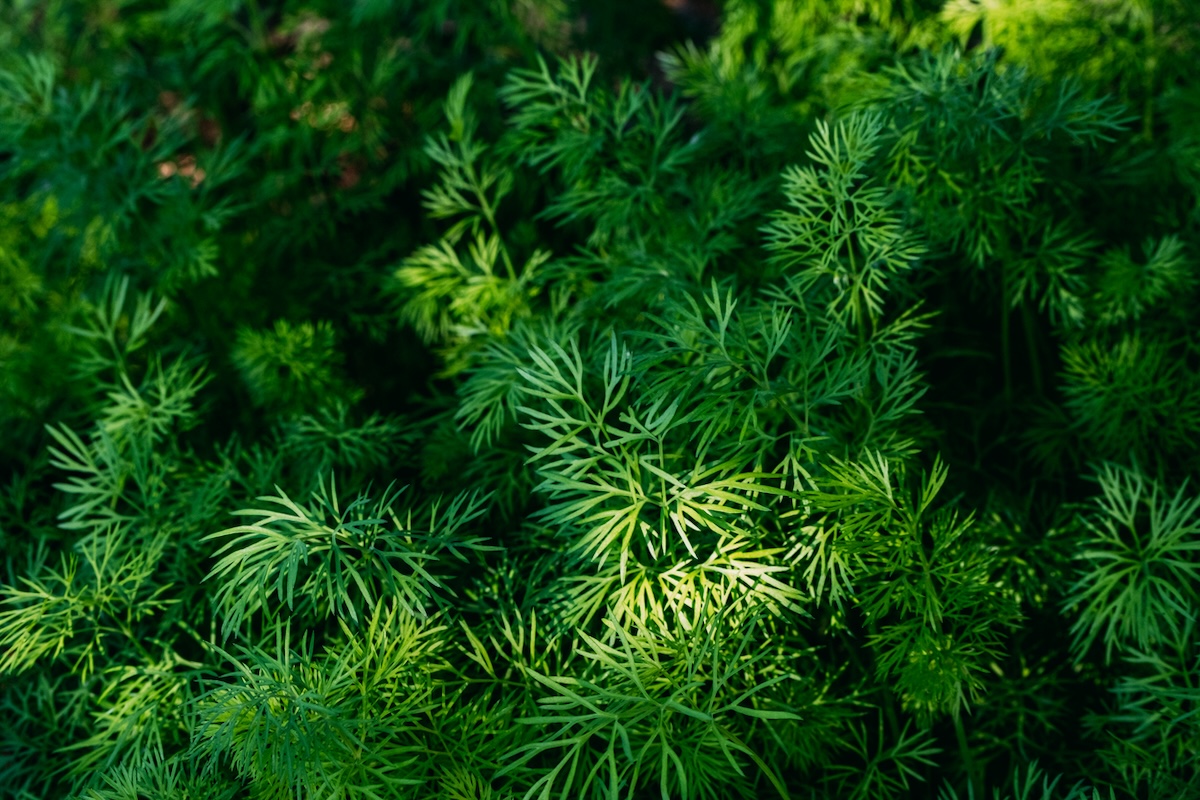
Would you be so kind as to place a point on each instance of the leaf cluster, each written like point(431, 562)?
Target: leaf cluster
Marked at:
point(470, 400)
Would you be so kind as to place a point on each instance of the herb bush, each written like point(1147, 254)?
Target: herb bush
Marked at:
point(553, 399)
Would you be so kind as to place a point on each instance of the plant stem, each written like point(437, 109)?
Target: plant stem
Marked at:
point(1151, 66)
point(1035, 360)
point(889, 705)
point(1005, 355)
point(965, 751)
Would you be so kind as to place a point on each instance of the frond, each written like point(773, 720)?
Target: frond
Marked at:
point(323, 559)
point(1138, 568)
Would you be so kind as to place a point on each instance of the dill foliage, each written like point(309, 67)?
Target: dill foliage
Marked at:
point(539, 399)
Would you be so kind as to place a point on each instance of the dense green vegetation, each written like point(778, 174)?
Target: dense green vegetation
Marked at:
point(599, 399)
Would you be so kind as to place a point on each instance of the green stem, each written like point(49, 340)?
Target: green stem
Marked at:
point(856, 298)
point(965, 751)
point(1005, 354)
point(889, 703)
point(1151, 67)
point(1035, 360)
point(489, 216)
point(862, 323)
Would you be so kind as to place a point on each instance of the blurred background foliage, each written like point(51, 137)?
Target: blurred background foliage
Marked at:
point(512, 254)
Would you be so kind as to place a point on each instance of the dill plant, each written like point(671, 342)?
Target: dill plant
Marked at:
point(443, 400)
